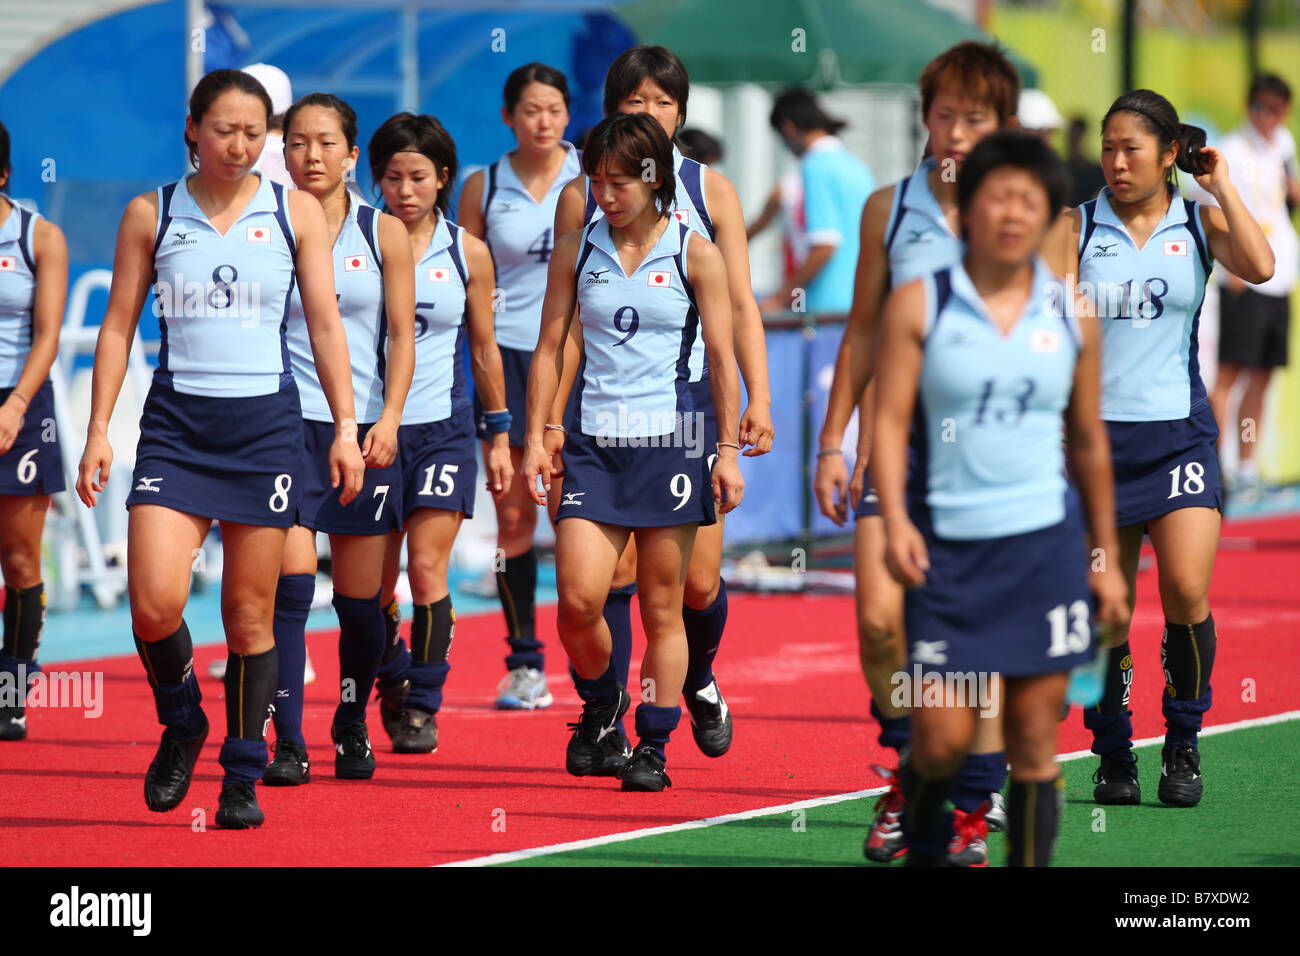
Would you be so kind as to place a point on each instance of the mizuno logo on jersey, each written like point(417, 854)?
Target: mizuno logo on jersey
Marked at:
point(506, 206)
point(659, 280)
point(148, 484)
point(1103, 252)
point(683, 216)
point(258, 234)
point(571, 497)
point(354, 264)
point(439, 274)
point(183, 239)
point(918, 235)
point(594, 277)
point(930, 652)
point(1176, 247)
point(8, 263)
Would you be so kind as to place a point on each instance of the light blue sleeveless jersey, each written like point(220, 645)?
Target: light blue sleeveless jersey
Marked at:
point(520, 237)
point(223, 301)
point(637, 332)
point(359, 285)
point(992, 407)
point(691, 211)
point(918, 240)
point(1149, 308)
point(438, 387)
point(17, 291)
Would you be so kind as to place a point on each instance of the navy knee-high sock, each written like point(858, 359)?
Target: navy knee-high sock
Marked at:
point(517, 589)
point(1111, 721)
point(293, 594)
point(618, 617)
point(654, 725)
point(432, 628)
point(361, 645)
point(1033, 818)
point(703, 635)
point(250, 693)
point(927, 826)
point(177, 698)
point(396, 662)
point(895, 732)
point(979, 776)
point(1187, 654)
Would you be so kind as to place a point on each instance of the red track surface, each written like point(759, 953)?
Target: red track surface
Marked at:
point(72, 793)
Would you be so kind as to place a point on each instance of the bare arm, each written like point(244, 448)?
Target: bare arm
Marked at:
point(1234, 237)
point(569, 212)
point(755, 427)
point(558, 309)
point(132, 276)
point(469, 215)
point(771, 209)
point(399, 309)
point(708, 276)
point(485, 357)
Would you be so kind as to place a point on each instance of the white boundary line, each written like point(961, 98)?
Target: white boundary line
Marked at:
point(514, 855)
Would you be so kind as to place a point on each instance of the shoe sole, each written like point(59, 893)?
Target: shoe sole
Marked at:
point(165, 806)
point(8, 734)
point(412, 749)
point(353, 773)
point(1179, 798)
point(642, 785)
point(240, 820)
point(515, 703)
point(884, 856)
point(285, 780)
point(1128, 797)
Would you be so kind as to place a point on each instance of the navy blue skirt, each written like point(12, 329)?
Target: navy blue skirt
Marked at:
point(515, 363)
point(612, 481)
point(439, 469)
point(1017, 605)
point(231, 459)
point(1163, 466)
point(34, 463)
point(376, 510)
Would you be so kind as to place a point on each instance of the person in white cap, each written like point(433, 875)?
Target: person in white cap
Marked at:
point(1037, 114)
point(277, 84)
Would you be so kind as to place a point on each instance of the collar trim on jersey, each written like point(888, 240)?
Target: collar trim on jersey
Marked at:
point(669, 244)
point(1175, 215)
point(1039, 294)
point(440, 239)
point(183, 206)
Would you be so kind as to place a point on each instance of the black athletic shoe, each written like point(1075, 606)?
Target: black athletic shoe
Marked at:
point(390, 706)
point(13, 723)
point(238, 809)
point(585, 754)
point(168, 778)
point(353, 758)
point(290, 768)
point(416, 733)
point(1180, 776)
point(645, 771)
point(1117, 780)
point(710, 720)
point(615, 751)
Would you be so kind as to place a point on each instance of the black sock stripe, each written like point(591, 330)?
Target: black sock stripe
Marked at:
point(508, 605)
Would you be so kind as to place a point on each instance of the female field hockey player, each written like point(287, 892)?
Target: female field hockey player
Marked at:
point(221, 434)
point(645, 287)
point(376, 295)
point(651, 79)
point(1143, 251)
point(33, 289)
point(413, 161)
point(511, 206)
point(986, 359)
point(910, 229)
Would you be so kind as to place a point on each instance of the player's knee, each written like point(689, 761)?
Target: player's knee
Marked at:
point(880, 639)
point(425, 572)
point(578, 610)
point(20, 563)
point(1185, 599)
point(155, 618)
point(936, 755)
point(517, 525)
point(701, 588)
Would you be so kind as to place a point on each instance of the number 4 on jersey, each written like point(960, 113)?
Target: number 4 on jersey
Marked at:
point(541, 247)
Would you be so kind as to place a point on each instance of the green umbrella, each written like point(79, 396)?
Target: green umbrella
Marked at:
point(819, 43)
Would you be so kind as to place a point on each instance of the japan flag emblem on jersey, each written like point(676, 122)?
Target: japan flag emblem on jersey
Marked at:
point(659, 280)
point(439, 274)
point(259, 234)
point(683, 216)
point(1176, 247)
point(354, 264)
point(8, 263)
point(1044, 340)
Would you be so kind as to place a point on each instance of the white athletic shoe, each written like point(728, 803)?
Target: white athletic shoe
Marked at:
point(524, 688)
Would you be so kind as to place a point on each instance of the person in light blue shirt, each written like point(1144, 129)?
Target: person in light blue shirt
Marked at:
point(33, 289)
point(836, 185)
point(1142, 252)
point(991, 361)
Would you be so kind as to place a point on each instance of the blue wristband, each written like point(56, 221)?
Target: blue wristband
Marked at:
point(496, 422)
